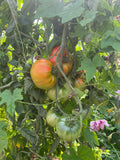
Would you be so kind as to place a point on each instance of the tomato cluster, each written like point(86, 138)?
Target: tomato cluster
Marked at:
point(65, 57)
point(41, 70)
point(67, 127)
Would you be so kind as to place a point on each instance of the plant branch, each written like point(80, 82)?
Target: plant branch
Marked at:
point(7, 85)
point(63, 45)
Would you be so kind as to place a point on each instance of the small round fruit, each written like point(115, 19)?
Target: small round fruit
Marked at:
point(67, 129)
point(62, 93)
point(79, 84)
point(52, 117)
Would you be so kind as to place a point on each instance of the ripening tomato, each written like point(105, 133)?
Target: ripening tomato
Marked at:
point(41, 74)
point(52, 117)
point(54, 54)
point(79, 84)
point(67, 65)
point(68, 129)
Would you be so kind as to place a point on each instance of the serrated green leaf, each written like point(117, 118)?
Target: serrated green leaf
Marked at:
point(90, 68)
point(67, 11)
point(85, 153)
point(72, 12)
point(3, 136)
point(27, 84)
point(111, 38)
point(52, 7)
point(54, 145)
point(88, 17)
point(28, 134)
point(10, 99)
point(91, 138)
point(98, 61)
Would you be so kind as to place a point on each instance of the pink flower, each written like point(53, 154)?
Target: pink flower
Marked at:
point(118, 91)
point(97, 125)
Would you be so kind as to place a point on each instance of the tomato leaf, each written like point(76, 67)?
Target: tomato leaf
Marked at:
point(28, 134)
point(111, 38)
point(85, 153)
point(88, 17)
point(91, 138)
point(27, 84)
point(3, 136)
point(54, 145)
point(89, 67)
point(67, 11)
point(98, 61)
point(10, 99)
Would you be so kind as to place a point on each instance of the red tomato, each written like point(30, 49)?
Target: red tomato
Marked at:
point(41, 74)
point(67, 66)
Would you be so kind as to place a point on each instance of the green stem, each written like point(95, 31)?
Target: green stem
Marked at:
point(63, 44)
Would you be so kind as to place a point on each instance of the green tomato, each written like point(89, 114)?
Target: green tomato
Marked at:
point(52, 117)
point(67, 129)
point(62, 93)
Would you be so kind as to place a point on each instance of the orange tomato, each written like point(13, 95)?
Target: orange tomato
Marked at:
point(41, 74)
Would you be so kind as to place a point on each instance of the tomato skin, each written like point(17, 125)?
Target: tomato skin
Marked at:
point(67, 66)
point(62, 93)
point(52, 117)
point(79, 84)
point(54, 54)
point(41, 74)
point(66, 131)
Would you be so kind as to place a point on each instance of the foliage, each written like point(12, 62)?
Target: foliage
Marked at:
point(90, 33)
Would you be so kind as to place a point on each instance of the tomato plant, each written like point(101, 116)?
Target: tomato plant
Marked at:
point(98, 98)
point(68, 129)
point(52, 117)
point(62, 93)
point(79, 83)
point(65, 56)
point(36, 30)
point(41, 74)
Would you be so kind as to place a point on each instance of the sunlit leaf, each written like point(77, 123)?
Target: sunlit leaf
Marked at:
point(10, 99)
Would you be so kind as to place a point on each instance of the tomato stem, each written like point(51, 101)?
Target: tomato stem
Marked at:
point(62, 72)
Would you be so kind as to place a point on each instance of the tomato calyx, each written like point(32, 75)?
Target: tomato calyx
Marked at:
point(68, 129)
